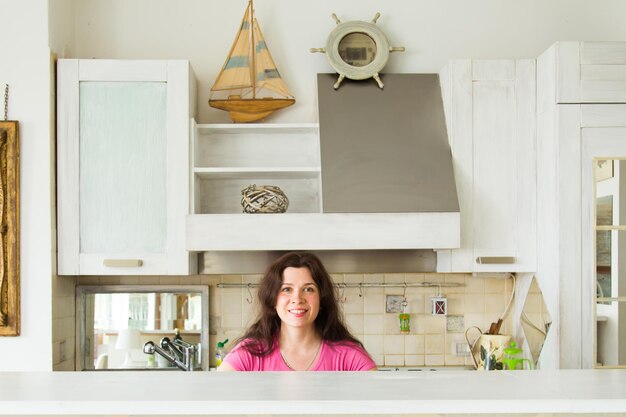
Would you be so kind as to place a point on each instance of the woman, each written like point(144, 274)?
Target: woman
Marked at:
point(299, 327)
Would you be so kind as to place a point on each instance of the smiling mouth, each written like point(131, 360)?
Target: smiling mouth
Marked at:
point(298, 312)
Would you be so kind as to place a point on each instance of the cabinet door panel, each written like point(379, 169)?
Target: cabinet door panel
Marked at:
point(122, 167)
point(494, 198)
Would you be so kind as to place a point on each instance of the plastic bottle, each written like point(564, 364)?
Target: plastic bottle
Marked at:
point(220, 352)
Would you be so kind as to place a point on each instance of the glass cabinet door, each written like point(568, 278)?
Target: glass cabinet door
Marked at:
point(610, 225)
point(122, 153)
point(123, 166)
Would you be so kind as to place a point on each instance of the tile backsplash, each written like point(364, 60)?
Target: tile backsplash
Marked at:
point(432, 340)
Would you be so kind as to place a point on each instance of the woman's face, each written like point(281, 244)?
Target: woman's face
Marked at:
point(298, 301)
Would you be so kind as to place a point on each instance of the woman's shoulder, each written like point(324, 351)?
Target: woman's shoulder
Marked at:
point(345, 355)
point(344, 346)
point(251, 345)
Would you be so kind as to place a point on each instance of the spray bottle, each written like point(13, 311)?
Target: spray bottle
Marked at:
point(220, 353)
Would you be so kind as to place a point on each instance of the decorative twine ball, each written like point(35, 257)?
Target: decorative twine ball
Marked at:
point(263, 199)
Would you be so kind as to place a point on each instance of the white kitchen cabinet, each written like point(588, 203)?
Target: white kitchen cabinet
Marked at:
point(581, 115)
point(123, 166)
point(228, 158)
point(490, 114)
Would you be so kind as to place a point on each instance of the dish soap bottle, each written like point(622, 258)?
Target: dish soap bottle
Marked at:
point(220, 352)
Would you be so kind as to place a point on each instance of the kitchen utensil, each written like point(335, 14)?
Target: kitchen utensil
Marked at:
point(487, 350)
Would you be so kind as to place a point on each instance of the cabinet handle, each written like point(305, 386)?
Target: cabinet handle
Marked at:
point(495, 260)
point(122, 263)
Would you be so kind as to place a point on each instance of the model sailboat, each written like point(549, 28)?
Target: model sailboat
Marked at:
point(249, 86)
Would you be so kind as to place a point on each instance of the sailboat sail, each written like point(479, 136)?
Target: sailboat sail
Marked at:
point(249, 85)
point(236, 70)
point(266, 72)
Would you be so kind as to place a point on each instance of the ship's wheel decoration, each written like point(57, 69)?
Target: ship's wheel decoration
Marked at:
point(357, 50)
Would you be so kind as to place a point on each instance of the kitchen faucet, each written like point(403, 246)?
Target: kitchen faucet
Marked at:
point(177, 352)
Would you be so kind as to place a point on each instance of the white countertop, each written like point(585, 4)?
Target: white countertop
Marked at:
point(206, 393)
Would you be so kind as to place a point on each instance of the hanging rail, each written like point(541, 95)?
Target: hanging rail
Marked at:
point(360, 284)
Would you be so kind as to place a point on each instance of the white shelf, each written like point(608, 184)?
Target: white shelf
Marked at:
point(229, 157)
point(256, 128)
point(257, 173)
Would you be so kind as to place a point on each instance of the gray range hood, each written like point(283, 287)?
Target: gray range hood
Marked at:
point(385, 150)
point(388, 189)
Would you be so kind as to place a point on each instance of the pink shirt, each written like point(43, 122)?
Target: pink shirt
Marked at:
point(334, 356)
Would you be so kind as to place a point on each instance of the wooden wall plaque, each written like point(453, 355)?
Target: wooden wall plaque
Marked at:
point(9, 229)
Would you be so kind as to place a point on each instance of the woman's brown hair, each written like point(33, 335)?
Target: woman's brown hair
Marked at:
point(260, 336)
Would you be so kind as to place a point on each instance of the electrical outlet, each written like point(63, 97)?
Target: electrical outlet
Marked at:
point(460, 349)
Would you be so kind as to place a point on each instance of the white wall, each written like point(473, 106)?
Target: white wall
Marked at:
point(433, 31)
point(25, 66)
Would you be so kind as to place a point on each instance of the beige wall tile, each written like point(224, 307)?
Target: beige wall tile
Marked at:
point(63, 328)
point(211, 280)
point(68, 365)
point(392, 323)
point(150, 280)
point(414, 344)
point(456, 304)
point(374, 344)
point(455, 279)
point(434, 324)
point(435, 278)
point(129, 280)
point(394, 278)
point(56, 356)
point(169, 280)
point(88, 280)
point(193, 280)
point(232, 279)
point(494, 303)
point(394, 360)
point(373, 324)
point(374, 303)
point(475, 319)
point(418, 323)
point(353, 278)
point(337, 278)
point(373, 278)
point(450, 360)
point(353, 303)
point(414, 278)
point(434, 360)
point(394, 345)
point(474, 285)
point(474, 303)
point(414, 360)
point(434, 344)
point(495, 285)
point(415, 303)
point(356, 324)
point(64, 307)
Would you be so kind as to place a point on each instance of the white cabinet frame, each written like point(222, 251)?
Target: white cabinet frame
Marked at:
point(180, 107)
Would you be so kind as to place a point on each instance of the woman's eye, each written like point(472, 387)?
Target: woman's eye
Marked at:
point(285, 289)
point(309, 289)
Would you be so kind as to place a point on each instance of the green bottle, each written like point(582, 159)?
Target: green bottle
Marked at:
point(220, 352)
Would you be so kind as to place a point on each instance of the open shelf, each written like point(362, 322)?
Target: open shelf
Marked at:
point(229, 157)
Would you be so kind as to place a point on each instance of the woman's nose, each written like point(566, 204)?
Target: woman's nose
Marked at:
point(296, 296)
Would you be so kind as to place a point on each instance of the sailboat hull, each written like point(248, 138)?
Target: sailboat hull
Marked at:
point(251, 110)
